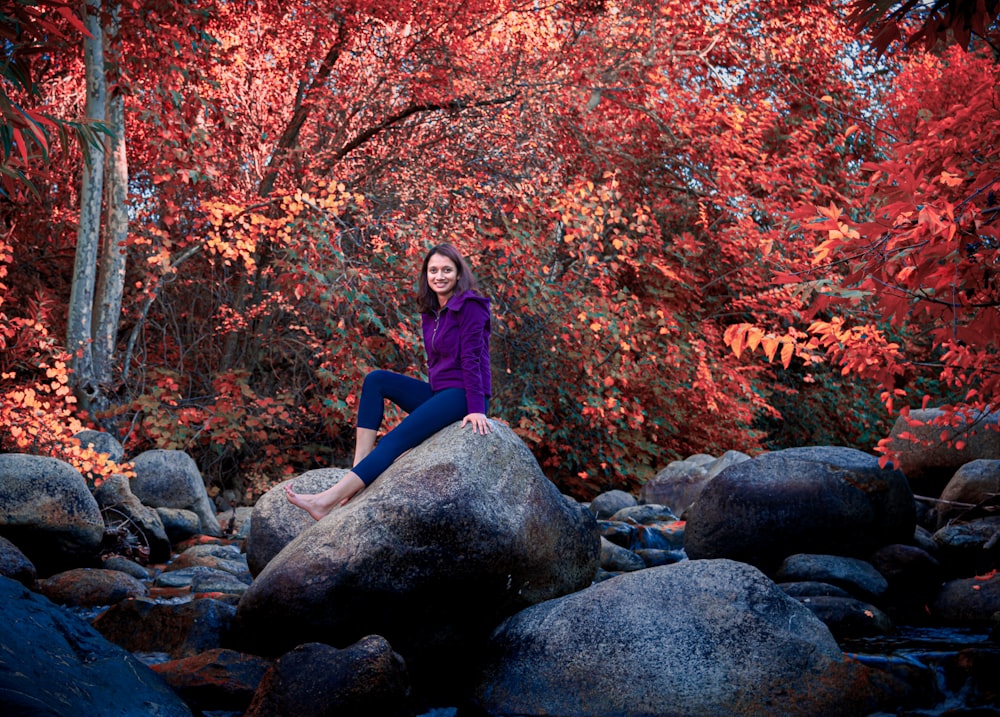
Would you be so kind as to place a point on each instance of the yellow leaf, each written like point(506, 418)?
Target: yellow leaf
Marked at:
point(787, 351)
point(770, 345)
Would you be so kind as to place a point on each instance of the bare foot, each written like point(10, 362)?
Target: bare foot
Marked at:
point(319, 505)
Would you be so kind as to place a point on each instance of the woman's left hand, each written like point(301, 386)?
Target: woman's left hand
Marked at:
point(480, 423)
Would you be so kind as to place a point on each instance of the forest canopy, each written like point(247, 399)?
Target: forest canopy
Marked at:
point(712, 226)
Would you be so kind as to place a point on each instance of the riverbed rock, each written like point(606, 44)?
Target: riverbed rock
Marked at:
point(856, 576)
point(202, 579)
point(171, 479)
point(928, 461)
point(215, 680)
point(645, 514)
point(969, 548)
point(914, 576)
point(610, 502)
point(821, 499)
point(702, 637)
point(15, 565)
point(617, 559)
point(53, 664)
point(812, 588)
point(677, 485)
point(48, 512)
point(457, 534)
point(179, 630)
point(226, 558)
point(969, 601)
point(125, 511)
point(317, 680)
point(975, 483)
point(848, 616)
point(180, 524)
point(86, 587)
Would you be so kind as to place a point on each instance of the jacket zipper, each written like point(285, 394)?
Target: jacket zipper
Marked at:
point(437, 317)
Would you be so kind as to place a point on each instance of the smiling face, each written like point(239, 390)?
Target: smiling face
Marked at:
point(442, 277)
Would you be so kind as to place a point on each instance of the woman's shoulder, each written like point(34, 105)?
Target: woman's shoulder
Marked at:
point(470, 298)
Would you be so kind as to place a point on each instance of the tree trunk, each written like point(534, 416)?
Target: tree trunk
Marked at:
point(81, 302)
point(112, 260)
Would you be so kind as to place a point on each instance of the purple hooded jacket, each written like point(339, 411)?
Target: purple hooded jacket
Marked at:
point(457, 340)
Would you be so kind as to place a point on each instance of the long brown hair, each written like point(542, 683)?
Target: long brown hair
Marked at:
point(427, 300)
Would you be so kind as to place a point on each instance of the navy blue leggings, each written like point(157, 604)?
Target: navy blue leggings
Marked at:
point(430, 411)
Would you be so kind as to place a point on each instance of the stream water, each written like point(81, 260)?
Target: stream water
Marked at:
point(958, 668)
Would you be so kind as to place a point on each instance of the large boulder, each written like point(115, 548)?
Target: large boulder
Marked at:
point(823, 499)
point(709, 637)
point(171, 479)
point(53, 664)
point(275, 522)
point(47, 511)
point(930, 460)
point(457, 534)
point(681, 482)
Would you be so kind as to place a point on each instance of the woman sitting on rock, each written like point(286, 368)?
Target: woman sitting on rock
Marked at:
point(456, 328)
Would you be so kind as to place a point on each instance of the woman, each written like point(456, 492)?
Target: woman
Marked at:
point(456, 328)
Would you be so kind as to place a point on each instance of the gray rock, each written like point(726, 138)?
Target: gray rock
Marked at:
point(708, 637)
point(974, 483)
point(102, 442)
point(676, 486)
point(367, 678)
point(826, 500)
point(848, 616)
point(275, 522)
point(727, 459)
point(969, 548)
point(203, 580)
point(15, 565)
point(971, 601)
point(854, 575)
point(225, 558)
point(930, 463)
point(812, 588)
point(906, 567)
point(617, 559)
point(123, 509)
point(54, 664)
point(124, 565)
point(645, 514)
point(607, 504)
point(458, 533)
point(179, 524)
point(653, 557)
point(171, 479)
point(700, 459)
point(47, 511)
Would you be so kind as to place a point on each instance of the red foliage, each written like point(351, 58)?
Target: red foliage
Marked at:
point(622, 175)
